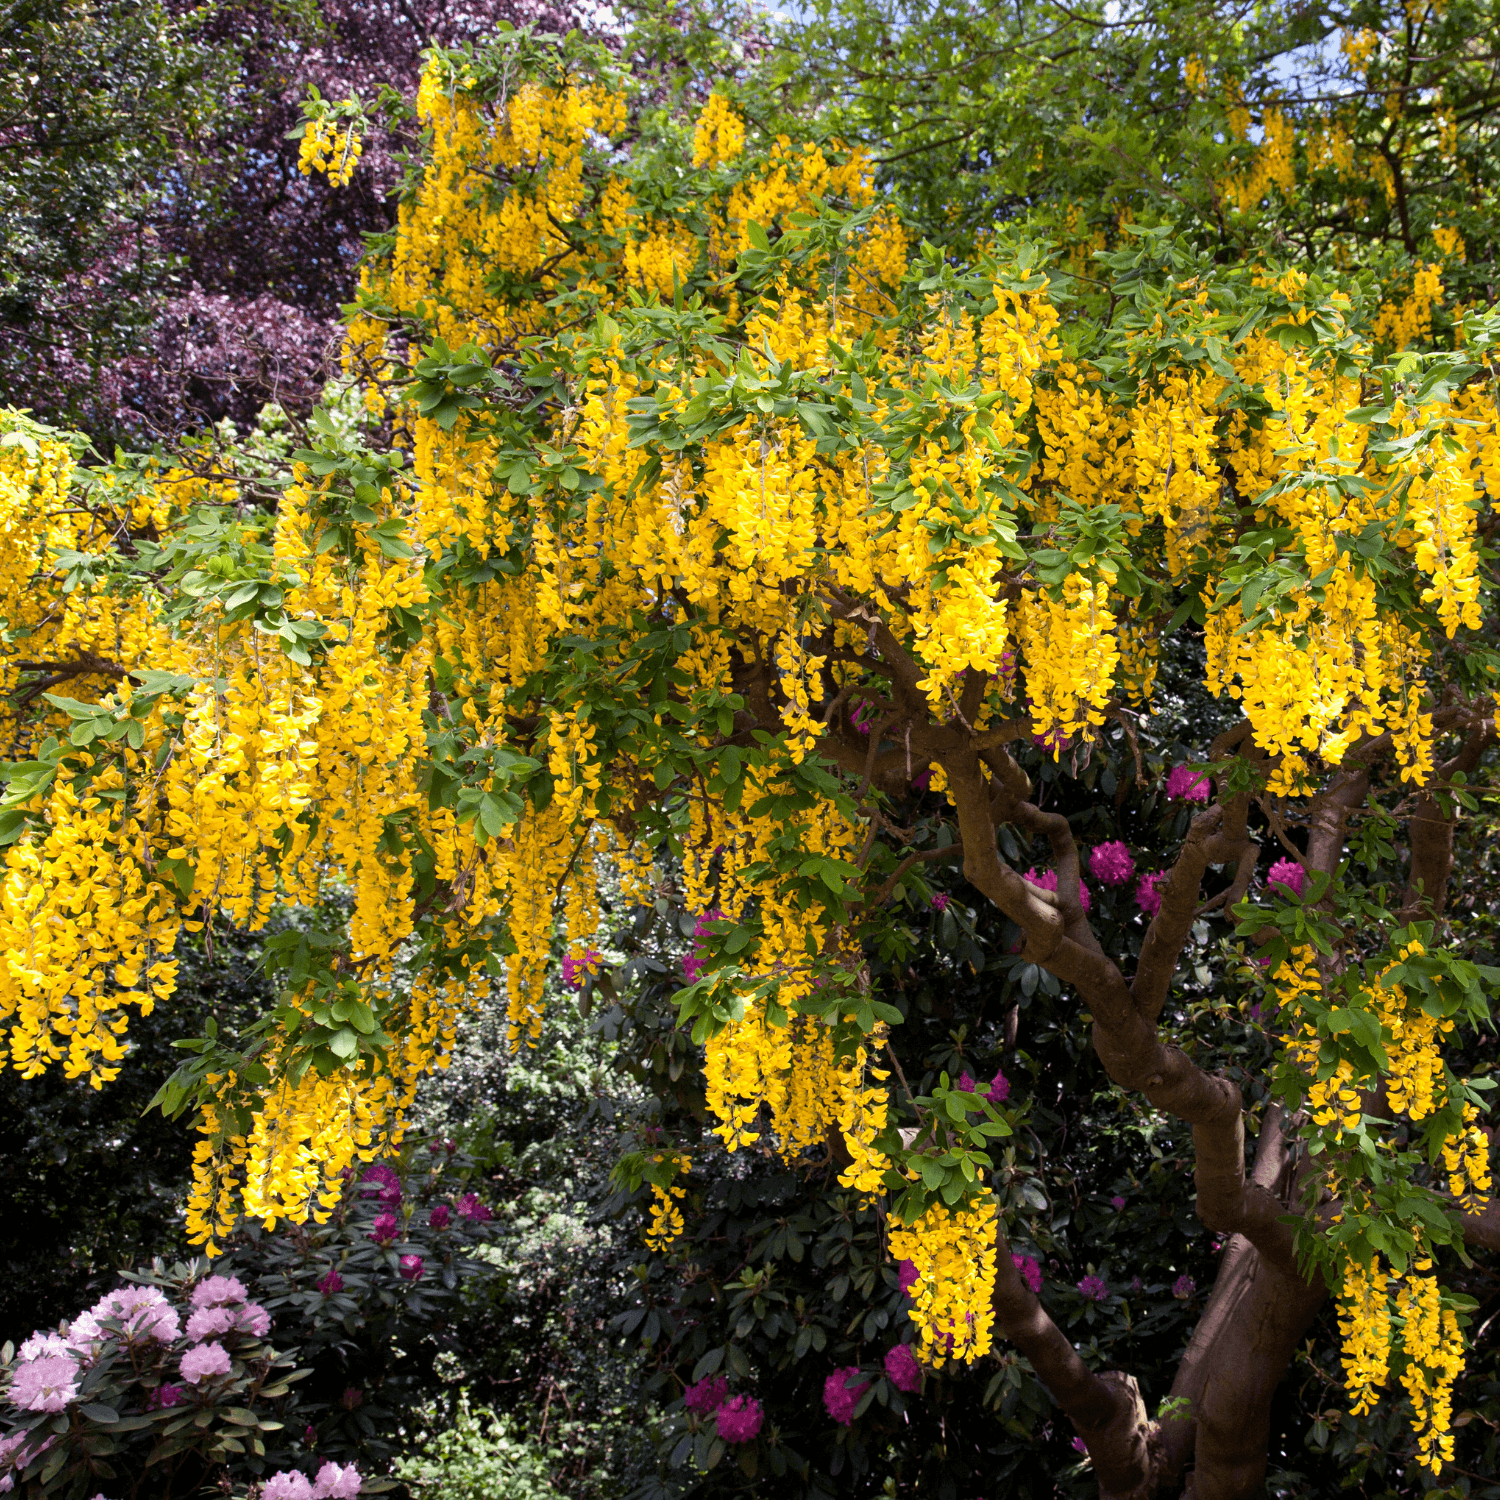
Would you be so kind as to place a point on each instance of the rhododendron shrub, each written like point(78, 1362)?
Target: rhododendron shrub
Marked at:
point(738, 543)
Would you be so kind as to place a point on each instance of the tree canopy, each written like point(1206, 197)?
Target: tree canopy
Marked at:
point(714, 530)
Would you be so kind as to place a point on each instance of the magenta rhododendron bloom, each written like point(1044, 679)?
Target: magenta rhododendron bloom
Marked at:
point(1047, 881)
point(940, 901)
point(331, 1283)
point(1031, 1272)
point(999, 1090)
point(707, 1395)
point(385, 1229)
point(1184, 785)
point(1148, 892)
point(739, 1419)
point(906, 1276)
point(1183, 1288)
point(441, 1216)
point(1112, 863)
point(412, 1267)
point(1093, 1288)
point(204, 1362)
point(1117, 1202)
point(902, 1369)
point(469, 1207)
point(576, 970)
point(46, 1384)
point(840, 1397)
point(213, 1291)
point(165, 1396)
point(1289, 873)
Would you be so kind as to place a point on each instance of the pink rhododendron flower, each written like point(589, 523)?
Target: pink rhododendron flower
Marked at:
point(1093, 1288)
point(1031, 1272)
point(440, 1217)
point(46, 1384)
point(1183, 1288)
point(203, 1362)
point(209, 1323)
point(840, 1397)
point(254, 1320)
point(293, 1485)
point(576, 970)
point(940, 901)
point(906, 1276)
point(165, 1396)
point(1047, 880)
point(215, 1290)
point(966, 1082)
point(337, 1483)
point(143, 1310)
point(1112, 863)
point(1079, 1446)
point(1184, 785)
point(739, 1419)
point(922, 780)
point(331, 1283)
point(40, 1344)
point(383, 1180)
point(999, 1088)
point(412, 1267)
point(469, 1207)
point(1117, 1202)
point(385, 1229)
point(902, 1369)
point(1148, 892)
point(1289, 873)
point(707, 1396)
point(85, 1335)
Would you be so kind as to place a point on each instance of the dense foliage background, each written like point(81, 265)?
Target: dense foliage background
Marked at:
point(164, 266)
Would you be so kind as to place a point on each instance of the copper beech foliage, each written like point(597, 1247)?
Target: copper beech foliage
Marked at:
point(718, 510)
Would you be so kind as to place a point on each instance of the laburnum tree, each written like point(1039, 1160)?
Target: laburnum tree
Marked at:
point(732, 538)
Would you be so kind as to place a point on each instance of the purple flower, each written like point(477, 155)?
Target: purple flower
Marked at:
point(1148, 892)
point(922, 781)
point(966, 1081)
point(412, 1267)
point(576, 970)
point(203, 1362)
point(739, 1419)
point(999, 1088)
point(902, 1369)
point(46, 1384)
point(1112, 863)
point(1288, 873)
point(142, 1309)
point(1184, 785)
point(331, 1283)
point(1031, 1272)
point(469, 1207)
point(165, 1396)
point(1117, 1202)
point(707, 1396)
point(337, 1483)
point(1047, 880)
point(383, 1180)
point(858, 715)
point(906, 1276)
point(209, 1323)
point(440, 1217)
point(384, 1229)
point(254, 1320)
point(216, 1290)
point(840, 1397)
point(1183, 1288)
point(940, 901)
point(1093, 1288)
point(1079, 1446)
point(292, 1485)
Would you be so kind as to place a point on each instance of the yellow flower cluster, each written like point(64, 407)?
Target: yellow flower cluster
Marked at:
point(666, 1212)
point(953, 1296)
point(1467, 1159)
point(1365, 1328)
point(719, 135)
point(331, 148)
